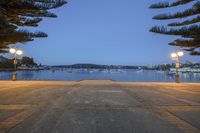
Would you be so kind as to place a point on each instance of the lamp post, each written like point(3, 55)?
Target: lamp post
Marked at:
point(176, 56)
point(15, 52)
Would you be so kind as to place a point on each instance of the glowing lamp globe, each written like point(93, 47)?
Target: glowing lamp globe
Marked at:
point(173, 55)
point(12, 50)
point(19, 52)
point(180, 53)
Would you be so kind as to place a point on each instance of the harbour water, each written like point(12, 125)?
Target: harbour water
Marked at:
point(113, 74)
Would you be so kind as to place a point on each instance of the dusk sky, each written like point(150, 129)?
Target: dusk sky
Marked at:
point(103, 32)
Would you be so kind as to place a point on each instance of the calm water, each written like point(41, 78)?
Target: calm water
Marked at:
point(118, 75)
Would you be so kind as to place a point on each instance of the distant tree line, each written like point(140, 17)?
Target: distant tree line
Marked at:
point(96, 66)
point(15, 14)
point(162, 67)
point(8, 63)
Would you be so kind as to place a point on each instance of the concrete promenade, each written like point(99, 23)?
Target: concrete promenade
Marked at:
point(98, 106)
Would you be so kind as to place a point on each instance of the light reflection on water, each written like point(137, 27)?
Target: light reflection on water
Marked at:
point(118, 75)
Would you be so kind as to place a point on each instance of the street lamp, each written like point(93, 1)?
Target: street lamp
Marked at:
point(176, 56)
point(15, 52)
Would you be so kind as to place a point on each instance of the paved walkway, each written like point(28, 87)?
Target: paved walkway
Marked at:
point(97, 106)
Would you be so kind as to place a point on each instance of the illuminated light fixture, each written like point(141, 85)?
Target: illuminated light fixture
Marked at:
point(12, 50)
point(180, 53)
point(19, 52)
point(173, 55)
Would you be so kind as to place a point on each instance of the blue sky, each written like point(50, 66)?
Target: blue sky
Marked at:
point(103, 32)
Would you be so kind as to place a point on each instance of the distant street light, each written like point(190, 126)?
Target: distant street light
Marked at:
point(176, 56)
point(15, 52)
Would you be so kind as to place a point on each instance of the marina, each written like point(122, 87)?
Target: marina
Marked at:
point(123, 75)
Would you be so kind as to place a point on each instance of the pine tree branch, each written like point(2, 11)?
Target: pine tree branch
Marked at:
point(195, 53)
point(168, 4)
point(3, 46)
point(27, 22)
point(192, 44)
point(191, 31)
point(185, 43)
point(17, 13)
point(3, 51)
point(189, 12)
point(187, 22)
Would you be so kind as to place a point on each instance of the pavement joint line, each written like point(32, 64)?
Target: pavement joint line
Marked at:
point(94, 107)
point(180, 99)
point(181, 108)
point(170, 112)
point(165, 115)
point(85, 106)
point(181, 90)
point(13, 121)
point(185, 100)
point(177, 121)
point(48, 103)
point(16, 106)
point(7, 88)
point(16, 87)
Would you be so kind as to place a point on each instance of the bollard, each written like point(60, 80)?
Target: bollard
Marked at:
point(14, 76)
point(177, 78)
